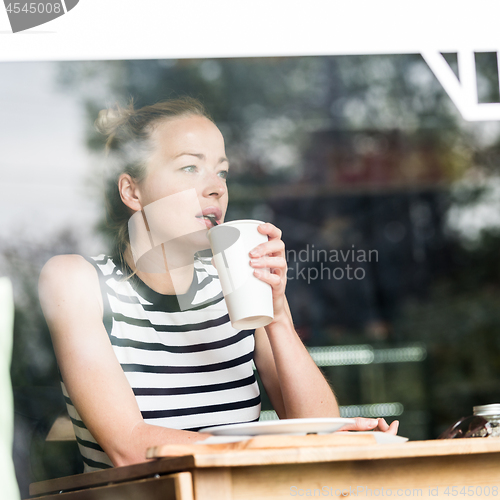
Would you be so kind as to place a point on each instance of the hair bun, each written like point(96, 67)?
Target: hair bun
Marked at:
point(110, 120)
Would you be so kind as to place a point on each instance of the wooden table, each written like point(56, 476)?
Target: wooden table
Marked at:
point(423, 469)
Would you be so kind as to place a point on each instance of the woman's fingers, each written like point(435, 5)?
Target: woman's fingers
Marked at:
point(274, 245)
point(382, 425)
point(270, 229)
point(268, 248)
point(272, 279)
point(372, 424)
point(269, 262)
point(270, 256)
point(362, 424)
point(393, 428)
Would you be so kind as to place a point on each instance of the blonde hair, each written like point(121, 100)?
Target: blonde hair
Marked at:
point(128, 131)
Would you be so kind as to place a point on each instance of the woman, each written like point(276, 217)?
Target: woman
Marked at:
point(139, 366)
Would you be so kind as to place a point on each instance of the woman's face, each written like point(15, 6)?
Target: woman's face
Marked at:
point(185, 180)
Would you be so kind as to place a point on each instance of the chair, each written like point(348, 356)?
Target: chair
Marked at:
point(8, 481)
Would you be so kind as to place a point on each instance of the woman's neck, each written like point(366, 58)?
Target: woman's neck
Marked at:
point(175, 280)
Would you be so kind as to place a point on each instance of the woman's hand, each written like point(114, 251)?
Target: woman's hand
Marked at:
point(373, 424)
point(271, 254)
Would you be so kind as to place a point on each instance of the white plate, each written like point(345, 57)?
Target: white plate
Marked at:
point(287, 426)
point(380, 437)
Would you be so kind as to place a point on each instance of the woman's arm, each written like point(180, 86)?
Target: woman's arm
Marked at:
point(72, 304)
point(308, 386)
point(293, 382)
point(295, 385)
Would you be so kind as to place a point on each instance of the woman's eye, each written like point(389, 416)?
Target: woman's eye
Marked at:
point(223, 174)
point(190, 168)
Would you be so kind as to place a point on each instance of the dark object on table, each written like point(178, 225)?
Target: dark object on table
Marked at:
point(473, 426)
point(484, 423)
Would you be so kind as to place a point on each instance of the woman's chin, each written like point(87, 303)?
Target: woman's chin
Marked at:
point(201, 242)
point(194, 242)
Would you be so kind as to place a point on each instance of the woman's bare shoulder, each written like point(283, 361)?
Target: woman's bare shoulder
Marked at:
point(68, 276)
point(67, 266)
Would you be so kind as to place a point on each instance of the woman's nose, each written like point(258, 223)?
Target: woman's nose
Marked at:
point(215, 186)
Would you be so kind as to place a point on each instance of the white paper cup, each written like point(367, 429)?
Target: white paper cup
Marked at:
point(249, 300)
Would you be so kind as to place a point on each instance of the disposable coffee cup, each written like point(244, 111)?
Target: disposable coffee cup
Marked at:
point(249, 300)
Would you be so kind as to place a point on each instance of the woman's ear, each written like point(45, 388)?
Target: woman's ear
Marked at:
point(129, 192)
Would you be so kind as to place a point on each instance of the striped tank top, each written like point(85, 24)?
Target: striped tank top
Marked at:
point(188, 368)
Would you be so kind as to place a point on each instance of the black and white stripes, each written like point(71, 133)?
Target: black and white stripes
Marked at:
point(188, 368)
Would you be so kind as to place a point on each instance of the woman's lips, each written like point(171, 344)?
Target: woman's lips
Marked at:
point(205, 221)
point(213, 212)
